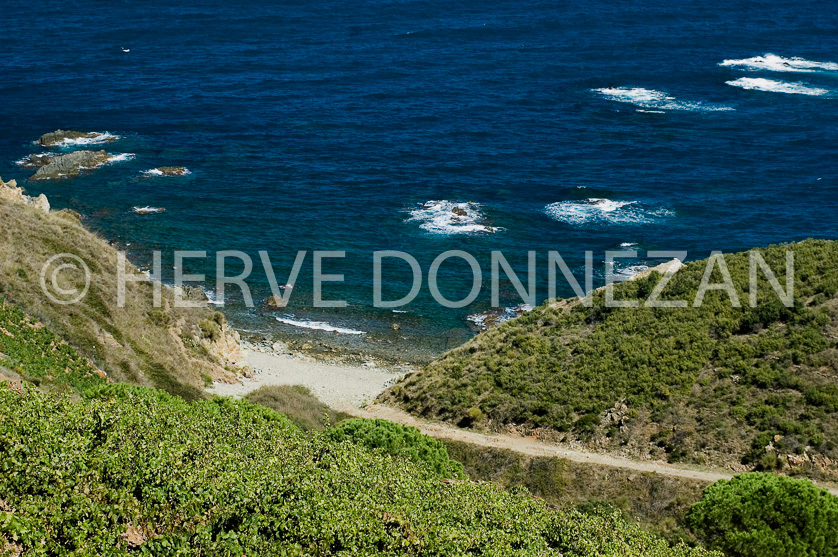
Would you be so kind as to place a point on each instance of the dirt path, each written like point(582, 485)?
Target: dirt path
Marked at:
point(352, 389)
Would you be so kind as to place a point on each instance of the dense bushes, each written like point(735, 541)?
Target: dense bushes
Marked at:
point(135, 470)
point(707, 372)
point(761, 515)
point(399, 440)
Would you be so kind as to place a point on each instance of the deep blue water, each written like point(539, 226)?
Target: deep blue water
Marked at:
point(322, 125)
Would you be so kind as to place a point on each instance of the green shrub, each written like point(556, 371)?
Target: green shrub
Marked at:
point(399, 440)
point(131, 470)
point(703, 371)
point(762, 515)
point(299, 405)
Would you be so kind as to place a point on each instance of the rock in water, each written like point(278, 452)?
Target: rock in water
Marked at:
point(36, 161)
point(173, 170)
point(273, 303)
point(61, 136)
point(69, 165)
point(11, 192)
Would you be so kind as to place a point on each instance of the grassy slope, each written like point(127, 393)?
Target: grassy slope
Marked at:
point(299, 404)
point(130, 469)
point(712, 384)
point(136, 343)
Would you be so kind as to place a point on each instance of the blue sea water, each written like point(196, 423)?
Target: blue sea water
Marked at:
point(327, 125)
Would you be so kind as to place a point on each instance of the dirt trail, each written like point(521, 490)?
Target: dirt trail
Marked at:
point(352, 389)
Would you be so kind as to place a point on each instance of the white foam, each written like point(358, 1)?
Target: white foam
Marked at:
point(656, 101)
point(449, 217)
point(499, 317)
point(148, 210)
point(774, 63)
point(157, 172)
point(775, 86)
point(630, 270)
point(120, 157)
point(25, 160)
point(606, 211)
point(319, 326)
point(211, 297)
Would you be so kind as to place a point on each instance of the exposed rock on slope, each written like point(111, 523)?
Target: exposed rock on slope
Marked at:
point(11, 192)
point(70, 165)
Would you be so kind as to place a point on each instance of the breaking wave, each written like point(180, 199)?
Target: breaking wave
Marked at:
point(605, 211)
point(775, 86)
point(449, 217)
point(774, 63)
point(656, 101)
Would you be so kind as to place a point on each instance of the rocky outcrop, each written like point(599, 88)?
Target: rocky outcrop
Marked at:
point(273, 303)
point(225, 345)
point(71, 164)
point(63, 136)
point(36, 161)
point(11, 192)
point(172, 170)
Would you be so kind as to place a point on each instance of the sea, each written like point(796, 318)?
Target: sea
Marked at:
point(425, 127)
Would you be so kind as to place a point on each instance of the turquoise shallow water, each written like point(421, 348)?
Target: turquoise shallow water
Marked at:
point(316, 125)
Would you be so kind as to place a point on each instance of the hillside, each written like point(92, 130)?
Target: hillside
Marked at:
point(176, 349)
point(740, 387)
point(129, 470)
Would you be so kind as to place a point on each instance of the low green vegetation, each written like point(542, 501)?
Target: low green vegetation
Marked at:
point(401, 441)
point(133, 470)
point(136, 343)
point(761, 515)
point(657, 503)
point(298, 404)
point(714, 384)
point(32, 352)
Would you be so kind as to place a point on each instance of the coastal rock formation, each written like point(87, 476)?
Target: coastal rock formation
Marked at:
point(70, 165)
point(11, 192)
point(172, 170)
point(64, 136)
point(36, 160)
point(273, 303)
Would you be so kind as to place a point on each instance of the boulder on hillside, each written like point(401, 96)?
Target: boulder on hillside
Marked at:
point(71, 164)
point(63, 136)
point(10, 191)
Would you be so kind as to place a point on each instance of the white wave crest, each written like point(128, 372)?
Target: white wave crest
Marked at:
point(774, 63)
point(153, 172)
point(775, 86)
point(120, 157)
point(656, 100)
point(448, 217)
point(604, 211)
point(319, 326)
point(148, 210)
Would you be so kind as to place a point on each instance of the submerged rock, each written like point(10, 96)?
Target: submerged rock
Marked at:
point(11, 192)
point(70, 165)
point(67, 136)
